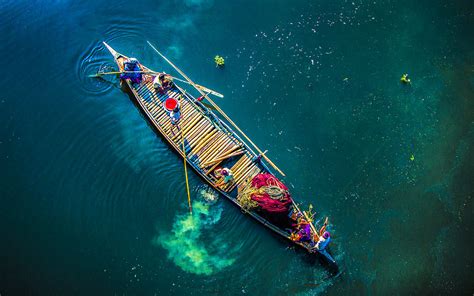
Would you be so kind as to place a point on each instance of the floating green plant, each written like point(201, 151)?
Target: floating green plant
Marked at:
point(219, 61)
point(404, 79)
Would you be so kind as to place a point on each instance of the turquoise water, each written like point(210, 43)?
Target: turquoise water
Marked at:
point(93, 202)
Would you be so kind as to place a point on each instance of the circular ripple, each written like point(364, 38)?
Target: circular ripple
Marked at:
point(94, 60)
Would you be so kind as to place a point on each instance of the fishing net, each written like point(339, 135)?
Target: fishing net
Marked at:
point(266, 193)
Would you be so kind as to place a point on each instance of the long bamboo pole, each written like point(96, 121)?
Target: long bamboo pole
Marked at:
point(186, 175)
point(208, 90)
point(227, 154)
point(217, 162)
point(218, 109)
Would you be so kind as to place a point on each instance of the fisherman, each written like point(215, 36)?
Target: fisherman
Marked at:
point(304, 230)
point(323, 241)
point(226, 176)
point(175, 115)
point(173, 108)
point(163, 82)
point(132, 65)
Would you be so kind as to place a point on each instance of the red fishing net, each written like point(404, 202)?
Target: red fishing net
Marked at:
point(273, 196)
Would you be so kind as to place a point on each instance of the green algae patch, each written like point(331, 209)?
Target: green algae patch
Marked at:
point(189, 244)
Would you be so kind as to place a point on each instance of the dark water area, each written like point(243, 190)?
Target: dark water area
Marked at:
point(93, 201)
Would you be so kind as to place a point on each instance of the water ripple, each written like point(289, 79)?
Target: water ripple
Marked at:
point(90, 62)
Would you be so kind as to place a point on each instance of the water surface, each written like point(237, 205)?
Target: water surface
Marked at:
point(94, 202)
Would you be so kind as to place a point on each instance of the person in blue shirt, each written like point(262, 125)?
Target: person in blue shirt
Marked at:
point(175, 116)
point(132, 65)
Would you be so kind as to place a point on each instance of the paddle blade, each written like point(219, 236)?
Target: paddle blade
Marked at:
point(209, 91)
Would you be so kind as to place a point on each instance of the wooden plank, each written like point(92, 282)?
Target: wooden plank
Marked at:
point(214, 148)
point(239, 162)
point(202, 141)
point(218, 136)
point(196, 121)
point(236, 168)
point(245, 179)
point(141, 89)
point(199, 138)
point(147, 88)
point(209, 149)
point(221, 148)
point(240, 180)
point(198, 128)
point(151, 106)
point(222, 159)
point(155, 109)
point(199, 133)
point(205, 141)
point(226, 145)
point(245, 172)
point(243, 168)
point(157, 112)
point(144, 94)
point(224, 155)
point(156, 103)
point(186, 123)
point(193, 125)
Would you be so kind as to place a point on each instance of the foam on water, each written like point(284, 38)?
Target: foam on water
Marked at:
point(185, 245)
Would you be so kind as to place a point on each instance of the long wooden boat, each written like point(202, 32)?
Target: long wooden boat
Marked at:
point(209, 143)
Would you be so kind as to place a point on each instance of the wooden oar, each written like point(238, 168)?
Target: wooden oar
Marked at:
point(203, 88)
point(217, 108)
point(212, 92)
point(99, 74)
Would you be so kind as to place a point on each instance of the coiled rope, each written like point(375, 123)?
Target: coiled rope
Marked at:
point(271, 189)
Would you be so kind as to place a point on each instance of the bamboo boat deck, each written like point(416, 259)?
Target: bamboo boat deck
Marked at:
point(205, 141)
point(208, 144)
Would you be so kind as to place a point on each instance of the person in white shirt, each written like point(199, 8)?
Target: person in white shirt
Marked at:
point(225, 174)
point(323, 241)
